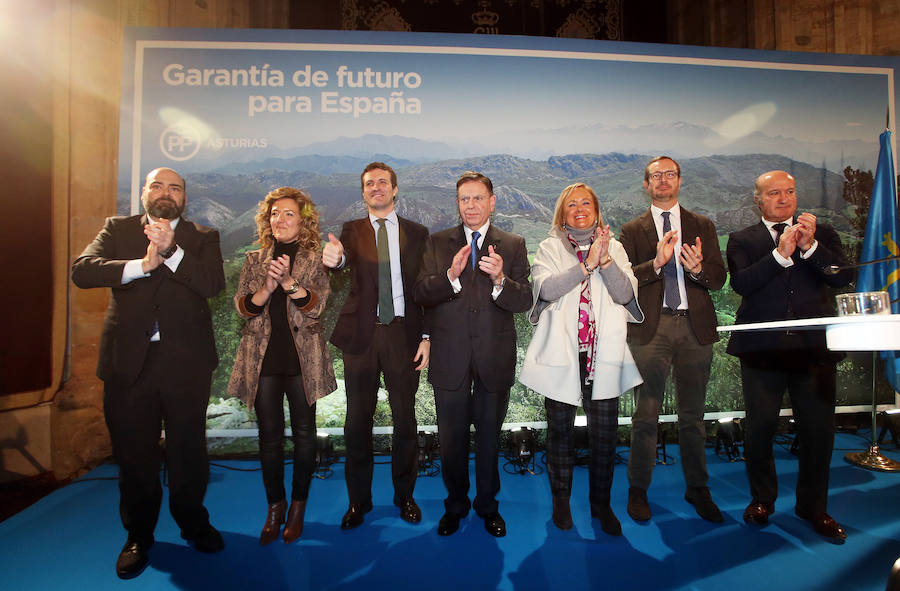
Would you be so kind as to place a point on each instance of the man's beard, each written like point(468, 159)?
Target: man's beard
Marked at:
point(165, 208)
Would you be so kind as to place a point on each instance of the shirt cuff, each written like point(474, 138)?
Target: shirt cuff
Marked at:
point(134, 269)
point(454, 283)
point(781, 260)
point(173, 261)
point(495, 293)
point(812, 249)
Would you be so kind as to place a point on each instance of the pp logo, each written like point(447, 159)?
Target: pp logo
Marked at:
point(179, 141)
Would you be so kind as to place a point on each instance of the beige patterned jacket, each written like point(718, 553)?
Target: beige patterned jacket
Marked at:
point(315, 359)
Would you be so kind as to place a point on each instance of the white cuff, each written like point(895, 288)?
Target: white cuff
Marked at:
point(134, 269)
point(173, 261)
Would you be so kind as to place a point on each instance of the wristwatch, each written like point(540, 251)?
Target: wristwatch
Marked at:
point(169, 251)
point(294, 288)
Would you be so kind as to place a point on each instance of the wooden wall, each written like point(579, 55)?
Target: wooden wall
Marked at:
point(831, 26)
point(86, 56)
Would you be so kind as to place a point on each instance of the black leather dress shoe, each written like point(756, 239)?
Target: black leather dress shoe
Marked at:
point(409, 511)
point(826, 527)
point(757, 513)
point(354, 515)
point(133, 558)
point(495, 525)
point(208, 540)
point(448, 524)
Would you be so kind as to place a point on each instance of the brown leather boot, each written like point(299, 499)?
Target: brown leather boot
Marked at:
point(274, 519)
point(294, 526)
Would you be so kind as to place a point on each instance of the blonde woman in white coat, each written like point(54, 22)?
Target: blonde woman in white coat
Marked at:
point(584, 294)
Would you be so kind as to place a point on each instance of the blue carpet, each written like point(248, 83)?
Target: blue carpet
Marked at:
point(70, 539)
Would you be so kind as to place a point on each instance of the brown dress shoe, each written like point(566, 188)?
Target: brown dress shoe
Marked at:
point(638, 506)
point(562, 514)
point(699, 497)
point(825, 526)
point(757, 513)
point(274, 519)
point(294, 525)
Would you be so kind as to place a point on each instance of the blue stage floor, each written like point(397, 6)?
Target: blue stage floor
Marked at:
point(70, 539)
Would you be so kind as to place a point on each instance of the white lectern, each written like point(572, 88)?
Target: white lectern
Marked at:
point(876, 332)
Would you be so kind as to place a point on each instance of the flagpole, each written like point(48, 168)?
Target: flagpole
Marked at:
point(872, 458)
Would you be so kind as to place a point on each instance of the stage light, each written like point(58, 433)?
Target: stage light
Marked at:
point(521, 450)
point(426, 445)
point(324, 454)
point(728, 434)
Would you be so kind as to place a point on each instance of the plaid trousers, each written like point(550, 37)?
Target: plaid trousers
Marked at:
point(602, 422)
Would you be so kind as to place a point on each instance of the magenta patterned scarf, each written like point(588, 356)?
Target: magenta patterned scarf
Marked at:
point(586, 327)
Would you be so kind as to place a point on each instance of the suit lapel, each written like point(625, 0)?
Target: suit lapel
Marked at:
point(492, 238)
point(458, 241)
point(368, 250)
point(688, 227)
point(649, 227)
point(401, 225)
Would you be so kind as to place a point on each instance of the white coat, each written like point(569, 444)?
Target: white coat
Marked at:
point(551, 365)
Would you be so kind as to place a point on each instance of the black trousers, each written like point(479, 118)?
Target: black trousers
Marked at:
point(602, 423)
point(456, 410)
point(812, 390)
point(134, 415)
point(269, 406)
point(389, 355)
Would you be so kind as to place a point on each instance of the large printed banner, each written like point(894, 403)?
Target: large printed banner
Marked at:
point(240, 112)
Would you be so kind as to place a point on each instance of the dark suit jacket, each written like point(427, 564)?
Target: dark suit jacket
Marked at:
point(471, 327)
point(356, 323)
point(771, 292)
point(176, 300)
point(639, 239)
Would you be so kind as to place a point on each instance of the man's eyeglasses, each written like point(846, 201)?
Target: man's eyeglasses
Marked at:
point(477, 199)
point(668, 174)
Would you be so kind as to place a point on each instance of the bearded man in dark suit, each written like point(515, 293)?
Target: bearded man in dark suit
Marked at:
point(474, 278)
point(675, 256)
point(380, 332)
point(157, 354)
point(778, 268)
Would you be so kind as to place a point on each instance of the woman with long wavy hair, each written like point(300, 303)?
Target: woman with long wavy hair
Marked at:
point(281, 293)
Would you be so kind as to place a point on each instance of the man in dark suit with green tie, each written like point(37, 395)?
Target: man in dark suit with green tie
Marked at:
point(380, 333)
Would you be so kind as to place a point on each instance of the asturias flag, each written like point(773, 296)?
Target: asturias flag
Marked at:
point(882, 239)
